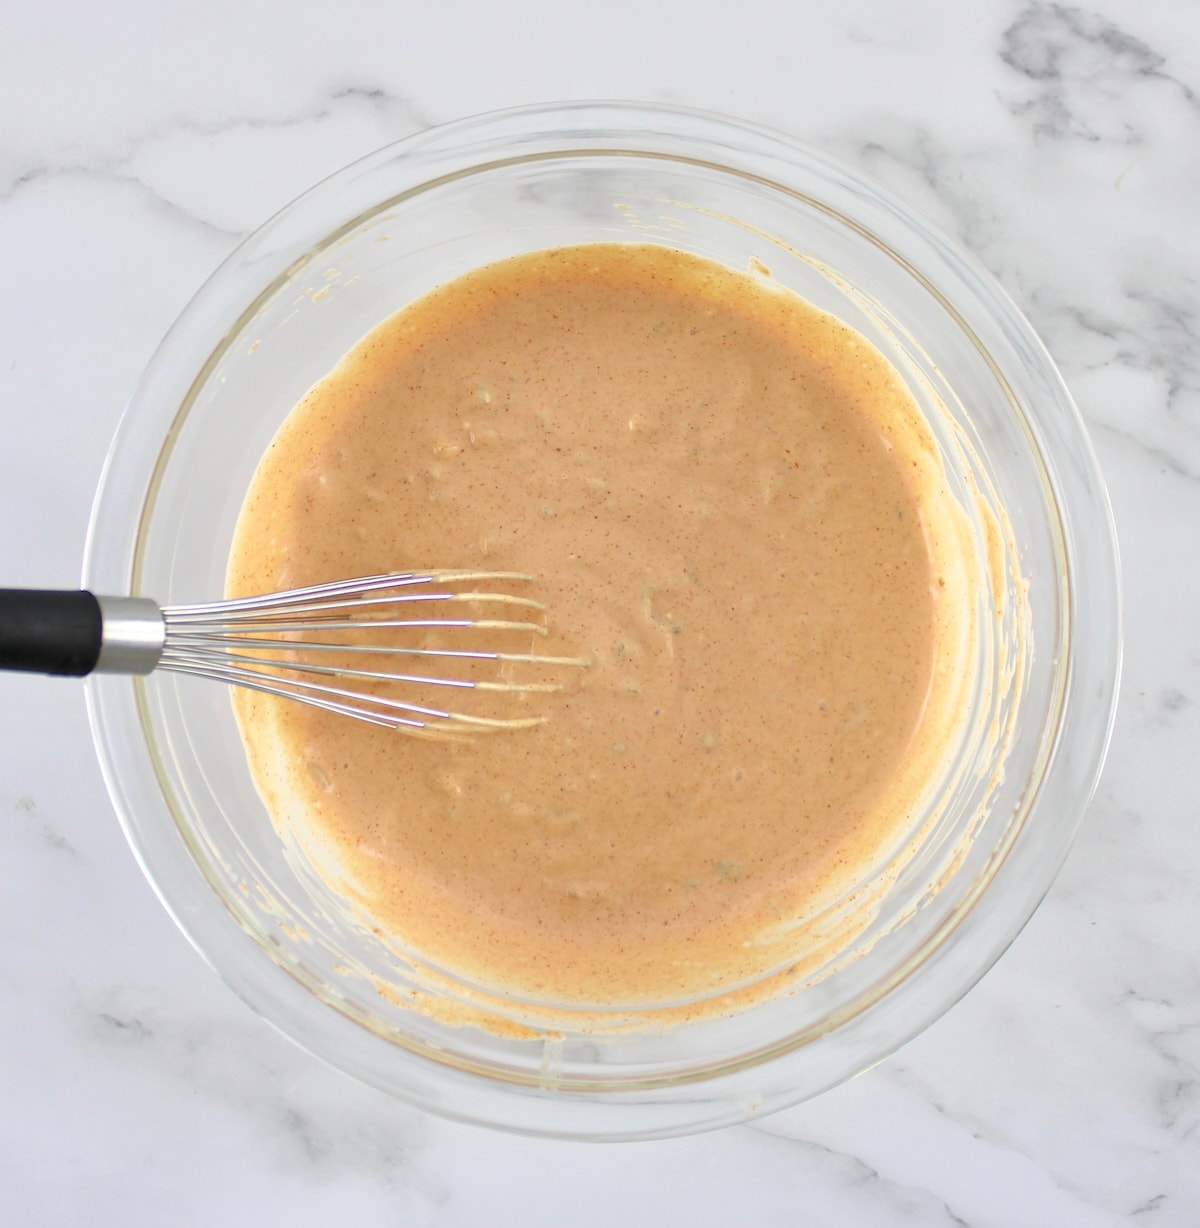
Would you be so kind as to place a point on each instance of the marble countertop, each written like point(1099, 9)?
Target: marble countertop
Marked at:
point(1061, 144)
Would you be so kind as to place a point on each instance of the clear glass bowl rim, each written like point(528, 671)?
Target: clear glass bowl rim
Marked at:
point(1068, 784)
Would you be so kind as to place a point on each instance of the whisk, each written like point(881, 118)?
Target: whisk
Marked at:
point(317, 645)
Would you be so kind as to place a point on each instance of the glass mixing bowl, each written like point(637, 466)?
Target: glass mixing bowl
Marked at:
point(297, 295)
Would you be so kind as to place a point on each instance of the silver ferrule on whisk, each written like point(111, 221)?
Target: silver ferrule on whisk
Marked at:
point(132, 636)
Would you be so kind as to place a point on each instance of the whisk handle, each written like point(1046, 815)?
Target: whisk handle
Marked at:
point(48, 632)
point(73, 633)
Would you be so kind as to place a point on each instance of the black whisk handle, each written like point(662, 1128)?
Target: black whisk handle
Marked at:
point(49, 632)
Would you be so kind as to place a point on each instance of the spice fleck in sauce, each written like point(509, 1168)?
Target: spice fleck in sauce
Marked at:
point(733, 506)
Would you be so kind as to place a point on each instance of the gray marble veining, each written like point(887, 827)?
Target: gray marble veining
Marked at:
point(1061, 144)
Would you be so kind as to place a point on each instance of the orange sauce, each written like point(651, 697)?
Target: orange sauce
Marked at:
point(734, 508)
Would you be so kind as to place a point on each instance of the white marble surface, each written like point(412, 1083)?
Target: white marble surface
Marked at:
point(141, 141)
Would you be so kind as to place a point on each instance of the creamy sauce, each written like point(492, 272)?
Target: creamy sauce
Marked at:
point(734, 508)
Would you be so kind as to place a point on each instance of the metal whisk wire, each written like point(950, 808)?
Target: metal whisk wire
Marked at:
point(265, 643)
